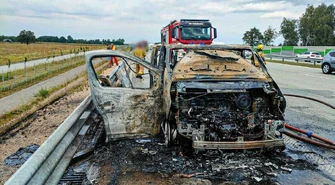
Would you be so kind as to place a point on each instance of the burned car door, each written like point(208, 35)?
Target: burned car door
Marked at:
point(130, 107)
point(155, 54)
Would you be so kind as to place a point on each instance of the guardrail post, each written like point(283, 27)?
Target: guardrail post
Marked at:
point(314, 62)
point(25, 67)
point(34, 70)
point(282, 60)
point(3, 79)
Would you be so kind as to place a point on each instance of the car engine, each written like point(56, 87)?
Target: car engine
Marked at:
point(224, 115)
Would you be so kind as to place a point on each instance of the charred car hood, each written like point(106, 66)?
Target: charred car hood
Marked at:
point(209, 64)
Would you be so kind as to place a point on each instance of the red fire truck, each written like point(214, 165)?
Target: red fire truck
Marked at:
point(188, 31)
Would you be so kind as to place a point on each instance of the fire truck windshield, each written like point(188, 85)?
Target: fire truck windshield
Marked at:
point(195, 33)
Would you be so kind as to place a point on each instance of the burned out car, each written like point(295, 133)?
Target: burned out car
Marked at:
point(212, 96)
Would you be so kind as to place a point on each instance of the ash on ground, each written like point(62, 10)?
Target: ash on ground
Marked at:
point(21, 155)
point(148, 160)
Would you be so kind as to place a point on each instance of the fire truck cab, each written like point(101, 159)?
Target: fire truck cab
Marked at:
point(188, 31)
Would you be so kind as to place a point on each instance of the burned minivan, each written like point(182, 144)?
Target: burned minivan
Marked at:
point(211, 95)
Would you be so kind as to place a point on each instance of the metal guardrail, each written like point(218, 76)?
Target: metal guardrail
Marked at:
point(296, 59)
point(49, 162)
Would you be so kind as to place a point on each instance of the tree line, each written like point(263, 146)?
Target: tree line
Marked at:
point(316, 27)
point(27, 37)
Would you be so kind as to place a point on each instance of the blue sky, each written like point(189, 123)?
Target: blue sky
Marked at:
point(134, 20)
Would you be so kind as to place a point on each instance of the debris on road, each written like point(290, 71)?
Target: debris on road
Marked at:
point(21, 155)
point(129, 157)
point(143, 140)
point(258, 179)
point(271, 164)
point(286, 169)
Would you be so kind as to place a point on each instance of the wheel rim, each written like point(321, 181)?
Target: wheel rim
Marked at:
point(326, 68)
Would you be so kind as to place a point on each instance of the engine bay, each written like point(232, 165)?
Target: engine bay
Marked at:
point(226, 111)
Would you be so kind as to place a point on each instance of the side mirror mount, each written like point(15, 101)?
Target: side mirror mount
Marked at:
point(215, 33)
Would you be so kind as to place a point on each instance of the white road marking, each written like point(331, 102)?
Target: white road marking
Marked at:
point(305, 74)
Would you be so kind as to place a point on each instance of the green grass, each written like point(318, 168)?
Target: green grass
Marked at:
point(21, 112)
point(43, 93)
point(17, 81)
point(16, 52)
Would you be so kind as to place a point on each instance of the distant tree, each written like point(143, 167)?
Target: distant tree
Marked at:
point(289, 30)
point(119, 41)
point(54, 39)
point(69, 39)
point(26, 37)
point(62, 39)
point(48, 39)
point(97, 41)
point(317, 26)
point(253, 37)
point(269, 35)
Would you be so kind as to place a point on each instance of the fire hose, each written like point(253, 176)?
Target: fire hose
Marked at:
point(330, 144)
point(309, 98)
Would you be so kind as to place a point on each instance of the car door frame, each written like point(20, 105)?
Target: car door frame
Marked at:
point(117, 104)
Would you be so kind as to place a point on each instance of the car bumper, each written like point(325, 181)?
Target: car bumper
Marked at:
point(236, 145)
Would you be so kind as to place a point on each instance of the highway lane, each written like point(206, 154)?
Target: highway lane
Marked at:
point(304, 81)
point(311, 82)
point(24, 96)
point(308, 115)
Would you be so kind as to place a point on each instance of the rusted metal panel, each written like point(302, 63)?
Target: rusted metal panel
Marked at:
point(127, 111)
point(216, 65)
point(238, 145)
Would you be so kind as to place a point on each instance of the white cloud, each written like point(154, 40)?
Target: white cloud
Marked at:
point(282, 14)
point(140, 19)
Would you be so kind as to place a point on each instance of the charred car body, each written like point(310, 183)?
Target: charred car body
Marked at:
point(212, 95)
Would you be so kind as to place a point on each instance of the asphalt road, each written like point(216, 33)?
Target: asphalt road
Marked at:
point(24, 96)
point(304, 81)
point(307, 114)
point(16, 66)
point(309, 82)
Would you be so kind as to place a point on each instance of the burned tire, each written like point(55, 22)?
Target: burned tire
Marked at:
point(167, 133)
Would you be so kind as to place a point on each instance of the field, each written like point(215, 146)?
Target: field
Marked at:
point(17, 80)
point(16, 52)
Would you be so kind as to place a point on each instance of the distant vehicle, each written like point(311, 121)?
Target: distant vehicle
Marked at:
point(188, 31)
point(328, 62)
point(7, 40)
point(310, 54)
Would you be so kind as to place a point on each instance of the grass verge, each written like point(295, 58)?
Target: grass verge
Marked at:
point(19, 81)
point(16, 52)
point(13, 118)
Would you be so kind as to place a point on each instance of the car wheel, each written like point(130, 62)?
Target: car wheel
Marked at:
point(326, 69)
point(169, 132)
